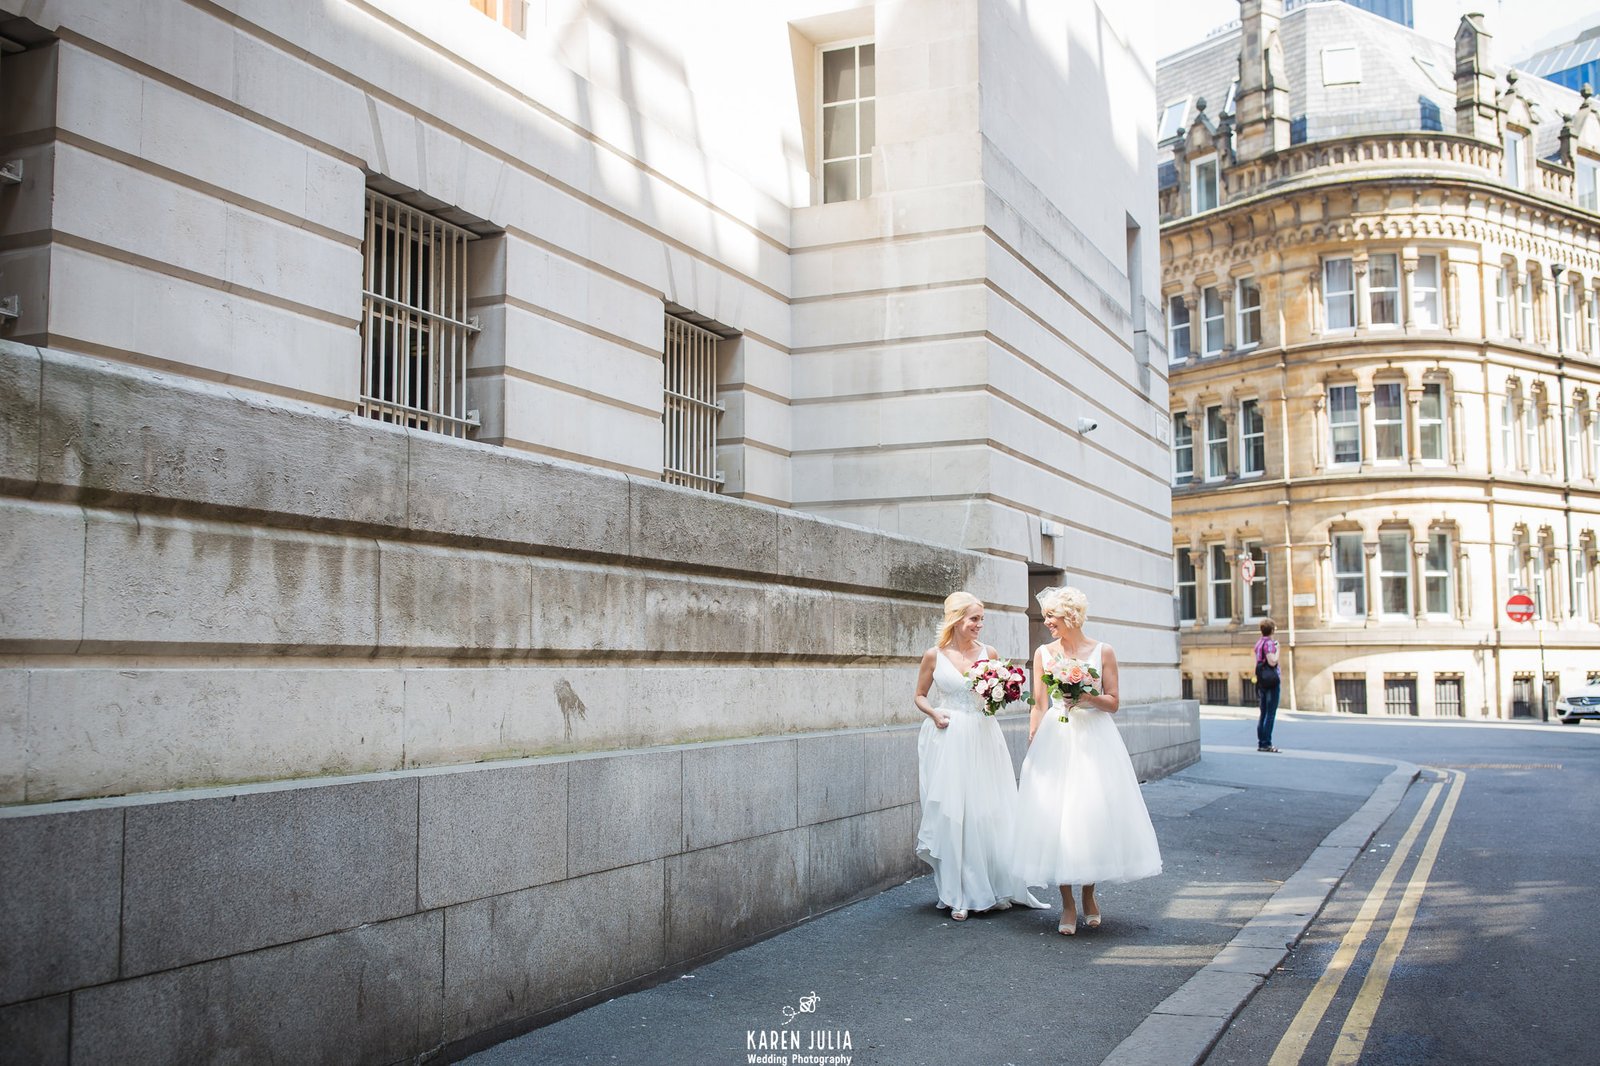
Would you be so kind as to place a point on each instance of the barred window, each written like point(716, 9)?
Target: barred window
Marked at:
point(690, 409)
point(414, 325)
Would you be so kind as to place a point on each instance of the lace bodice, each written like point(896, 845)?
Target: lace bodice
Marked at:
point(950, 691)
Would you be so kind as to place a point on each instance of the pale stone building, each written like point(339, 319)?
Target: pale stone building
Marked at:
point(1381, 265)
point(463, 459)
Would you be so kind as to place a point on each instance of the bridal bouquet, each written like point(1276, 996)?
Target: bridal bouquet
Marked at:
point(998, 682)
point(1069, 680)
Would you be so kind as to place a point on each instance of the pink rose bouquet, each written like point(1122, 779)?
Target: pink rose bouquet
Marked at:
point(1069, 680)
point(997, 683)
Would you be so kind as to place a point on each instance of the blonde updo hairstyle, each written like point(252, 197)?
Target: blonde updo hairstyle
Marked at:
point(956, 606)
point(1068, 604)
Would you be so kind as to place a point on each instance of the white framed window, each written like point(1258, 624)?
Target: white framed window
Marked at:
point(1214, 336)
point(1383, 288)
point(1187, 587)
point(1257, 596)
point(1221, 585)
point(1178, 348)
point(1203, 183)
point(512, 14)
point(1594, 443)
point(1508, 431)
point(414, 319)
point(1502, 318)
point(690, 409)
point(1389, 420)
point(1574, 441)
point(1530, 434)
point(1588, 178)
point(1394, 572)
point(1349, 576)
point(1344, 425)
point(1431, 422)
point(1216, 445)
point(1172, 117)
point(1568, 308)
point(1580, 584)
point(1252, 439)
point(1339, 293)
point(1515, 580)
point(1591, 321)
point(1247, 301)
point(1425, 292)
point(1525, 307)
point(849, 120)
point(1513, 149)
point(1182, 449)
point(1537, 573)
point(1436, 573)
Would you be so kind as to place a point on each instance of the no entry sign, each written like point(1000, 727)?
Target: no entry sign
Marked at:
point(1519, 608)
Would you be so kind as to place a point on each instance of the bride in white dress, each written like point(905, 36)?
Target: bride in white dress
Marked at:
point(969, 796)
point(1081, 819)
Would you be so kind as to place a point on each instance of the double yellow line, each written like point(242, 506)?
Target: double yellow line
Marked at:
point(1358, 1023)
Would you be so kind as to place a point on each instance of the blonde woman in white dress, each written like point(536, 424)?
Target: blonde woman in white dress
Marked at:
point(1081, 818)
point(969, 795)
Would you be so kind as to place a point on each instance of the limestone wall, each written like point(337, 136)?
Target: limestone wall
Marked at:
point(460, 737)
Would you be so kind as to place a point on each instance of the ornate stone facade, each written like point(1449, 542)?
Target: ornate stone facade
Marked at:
point(1385, 367)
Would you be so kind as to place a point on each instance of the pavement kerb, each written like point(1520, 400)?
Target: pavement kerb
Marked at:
point(1184, 1027)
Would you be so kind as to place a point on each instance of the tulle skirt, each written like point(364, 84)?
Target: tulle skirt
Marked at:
point(969, 806)
point(1081, 819)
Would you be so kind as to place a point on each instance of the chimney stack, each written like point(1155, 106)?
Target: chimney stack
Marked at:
point(1476, 112)
point(1262, 104)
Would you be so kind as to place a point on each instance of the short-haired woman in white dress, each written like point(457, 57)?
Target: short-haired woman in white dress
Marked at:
point(969, 795)
point(1081, 819)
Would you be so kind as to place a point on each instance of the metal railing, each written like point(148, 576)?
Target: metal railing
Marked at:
point(414, 324)
point(690, 409)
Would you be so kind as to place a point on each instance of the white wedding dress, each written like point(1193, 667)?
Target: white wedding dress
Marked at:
point(969, 800)
point(1081, 819)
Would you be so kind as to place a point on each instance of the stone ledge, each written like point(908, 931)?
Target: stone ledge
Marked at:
point(90, 431)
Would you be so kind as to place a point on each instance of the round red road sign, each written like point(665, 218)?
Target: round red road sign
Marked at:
point(1519, 608)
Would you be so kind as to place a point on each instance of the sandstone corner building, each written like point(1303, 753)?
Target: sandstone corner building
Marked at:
point(1381, 273)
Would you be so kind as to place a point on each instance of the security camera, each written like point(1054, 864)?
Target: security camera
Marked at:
point(1087, 425)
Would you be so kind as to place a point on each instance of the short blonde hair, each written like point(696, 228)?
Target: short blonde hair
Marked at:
point(1068, 604)
point(956, 606)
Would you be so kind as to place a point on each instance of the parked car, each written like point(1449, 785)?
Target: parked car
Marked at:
point(1582, 703)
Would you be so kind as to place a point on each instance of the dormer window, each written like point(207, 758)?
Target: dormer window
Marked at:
point(1172, 119)
point(1203, 183)
point(1513, 147)
point(1588, 183)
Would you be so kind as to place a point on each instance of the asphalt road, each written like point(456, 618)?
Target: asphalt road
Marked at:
point(1480, 949)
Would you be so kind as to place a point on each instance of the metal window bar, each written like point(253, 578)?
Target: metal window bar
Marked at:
point(1188, 687)
point(690, 410)
point(1447, 697)
point(1216, 690)
point(1248, 696)
point(1400, 696)
point(1350, 695)
point(414, 325)
point(1522, 696)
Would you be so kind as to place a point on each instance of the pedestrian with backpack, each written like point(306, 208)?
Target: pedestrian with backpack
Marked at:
point(1267, 678)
